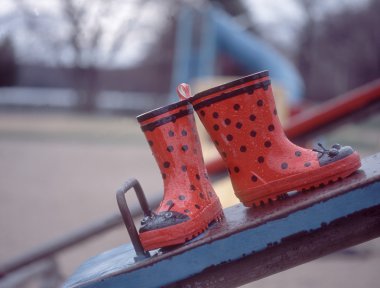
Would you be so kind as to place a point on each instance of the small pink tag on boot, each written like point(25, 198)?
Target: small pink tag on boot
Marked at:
point(183, 91)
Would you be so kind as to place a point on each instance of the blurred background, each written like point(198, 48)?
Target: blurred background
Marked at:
point(75, 73)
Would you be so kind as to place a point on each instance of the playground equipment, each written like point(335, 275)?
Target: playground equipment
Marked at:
point(219, 33)
point(250, 243)
point(305, 246)
point(304, 226)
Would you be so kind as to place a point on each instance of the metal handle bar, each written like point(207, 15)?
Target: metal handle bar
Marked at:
point(127, 217)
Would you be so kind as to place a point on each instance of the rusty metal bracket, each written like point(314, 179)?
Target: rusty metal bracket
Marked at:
point(127, 217)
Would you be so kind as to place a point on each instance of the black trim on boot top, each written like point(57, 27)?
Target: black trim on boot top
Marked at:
point(231, 84)
point(249, 89)
point(171, 118)
point(162, 220)
point(162, 110)
point(335, 153)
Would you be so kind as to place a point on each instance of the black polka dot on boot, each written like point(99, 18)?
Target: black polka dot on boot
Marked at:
point(166, 164)
point(171, 133)
point(284, 165)
point(236, 107)
point(260, 159)
point(252, 117)
point(184, 148)
point(227, 121)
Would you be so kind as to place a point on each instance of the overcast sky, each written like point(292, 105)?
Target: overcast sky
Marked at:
point(283, 19)
point(36, 43)
point(33, 35)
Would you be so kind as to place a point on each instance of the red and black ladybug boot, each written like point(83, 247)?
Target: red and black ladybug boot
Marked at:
point(189, 204)
point(242, 120)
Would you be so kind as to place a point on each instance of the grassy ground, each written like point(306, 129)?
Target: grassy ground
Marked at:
point(59, 172)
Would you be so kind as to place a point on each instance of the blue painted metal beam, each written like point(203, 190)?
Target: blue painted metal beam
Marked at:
point(183, 50)
point(263, 241)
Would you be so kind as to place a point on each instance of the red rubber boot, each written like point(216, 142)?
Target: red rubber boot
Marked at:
point(189, 204)
point(241, 118)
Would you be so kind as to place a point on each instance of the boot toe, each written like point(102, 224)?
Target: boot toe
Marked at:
point(336, 153)
point(162, 220)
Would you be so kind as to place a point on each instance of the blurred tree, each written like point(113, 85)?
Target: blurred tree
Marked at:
point(85, 40)
point(8, 68)
point(307, 46)
point(82, 40)
point(339, 51)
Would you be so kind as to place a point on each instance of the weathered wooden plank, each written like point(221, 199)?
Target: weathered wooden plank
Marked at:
point(253, 243)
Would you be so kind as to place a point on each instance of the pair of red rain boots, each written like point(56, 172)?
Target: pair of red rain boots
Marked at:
point(241, 119)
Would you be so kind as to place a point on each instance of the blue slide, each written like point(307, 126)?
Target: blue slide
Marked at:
point(254, 55)
point(220, 33)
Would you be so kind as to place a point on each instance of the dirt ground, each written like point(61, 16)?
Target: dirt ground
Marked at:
point(59, 172)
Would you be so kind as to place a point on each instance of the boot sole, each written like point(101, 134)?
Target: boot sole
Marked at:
point(183, 232)
point(277, 190)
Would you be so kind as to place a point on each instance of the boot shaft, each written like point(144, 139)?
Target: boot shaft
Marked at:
point(173, 139)
point(241, 118)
